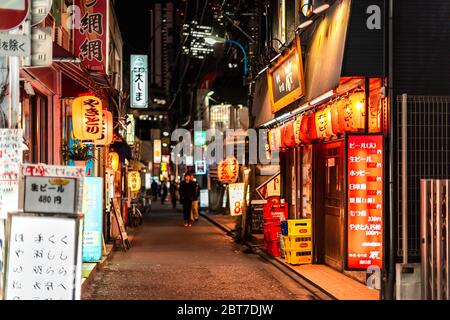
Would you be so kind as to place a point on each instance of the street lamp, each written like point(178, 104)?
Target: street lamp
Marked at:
point(212, 40)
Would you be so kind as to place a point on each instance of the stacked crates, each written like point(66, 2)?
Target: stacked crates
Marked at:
point(298, 242)
point(273, 215)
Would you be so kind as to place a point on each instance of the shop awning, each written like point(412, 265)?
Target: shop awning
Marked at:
point(72, 68)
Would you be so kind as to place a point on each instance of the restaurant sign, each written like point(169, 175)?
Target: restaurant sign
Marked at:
point(286, 81)
point(364, 218)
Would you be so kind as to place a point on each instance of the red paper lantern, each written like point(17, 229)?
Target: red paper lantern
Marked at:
point(304, 136)
point(312, 131)
point(289, 137)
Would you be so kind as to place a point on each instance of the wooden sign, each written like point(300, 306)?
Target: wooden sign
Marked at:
point(123, 233)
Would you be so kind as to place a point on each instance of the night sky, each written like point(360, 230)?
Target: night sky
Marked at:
point(134, 21)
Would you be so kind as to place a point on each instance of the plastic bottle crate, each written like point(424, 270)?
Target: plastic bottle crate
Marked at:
point(298, 242)
point(272, 235)
point(298, 256)
point(300, 227)
point(284, 227)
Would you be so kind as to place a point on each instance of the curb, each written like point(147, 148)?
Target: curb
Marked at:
point(315, 289)
point(98, 267)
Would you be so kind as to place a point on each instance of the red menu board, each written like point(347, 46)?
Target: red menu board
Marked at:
point(364, 201)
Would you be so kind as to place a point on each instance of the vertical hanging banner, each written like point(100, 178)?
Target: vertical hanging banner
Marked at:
point(92, 225)
point(365, 191)
point(139, 81)
point(91, 34)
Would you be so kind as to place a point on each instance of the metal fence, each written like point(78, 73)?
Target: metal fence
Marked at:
point(425, 120)
point(435, 239)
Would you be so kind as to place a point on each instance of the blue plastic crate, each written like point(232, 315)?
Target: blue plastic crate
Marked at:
point(284, 228)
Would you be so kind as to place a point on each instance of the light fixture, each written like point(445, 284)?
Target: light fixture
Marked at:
point(210, 93)
point(320, 6)
point(322, 97)
point(305, 14)
point(166, 134)
point(302, 108)
point(304, 24)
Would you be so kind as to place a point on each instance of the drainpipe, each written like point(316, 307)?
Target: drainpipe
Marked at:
point(389, 295)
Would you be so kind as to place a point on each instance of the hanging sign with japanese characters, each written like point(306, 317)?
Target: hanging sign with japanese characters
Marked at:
point(44, 260)
point(364, 201)
point(10, 160)
point(270, 188)
point(286, 81)
point(139, 81)
point(50, 194)
point(92, 222)
point(228, 170)
point(91, 34)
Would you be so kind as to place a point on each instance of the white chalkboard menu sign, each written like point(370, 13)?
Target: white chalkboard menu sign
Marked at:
point(43, 257)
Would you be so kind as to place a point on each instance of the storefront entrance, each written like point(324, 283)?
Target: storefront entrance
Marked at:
point(330, 193)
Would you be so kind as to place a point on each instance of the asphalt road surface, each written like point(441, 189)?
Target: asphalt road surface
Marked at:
point(170, 261)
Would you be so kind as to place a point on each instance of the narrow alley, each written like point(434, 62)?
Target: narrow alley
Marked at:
point(170, 261)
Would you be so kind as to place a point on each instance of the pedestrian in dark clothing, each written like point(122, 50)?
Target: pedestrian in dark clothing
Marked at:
point(195, 201)
point(164, 192)
point(154, 187)
point(173, 193)
point(187, 194)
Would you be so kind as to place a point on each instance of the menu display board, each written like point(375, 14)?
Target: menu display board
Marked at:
point(365, 192)
point(236, 197)
point(43, 258)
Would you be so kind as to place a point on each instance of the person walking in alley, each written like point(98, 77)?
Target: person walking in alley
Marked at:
point(186, 197)
point(154, 188)
point(164, 192)
point(195, 201)
point(173, 193)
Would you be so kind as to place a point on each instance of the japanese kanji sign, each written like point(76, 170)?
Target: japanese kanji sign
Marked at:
point(139, 81)
point(270, 188)
point(91, 38)
point(15, 45)
point(10, 160)
point(44, 261)
point(364, 201)
point(46, 194)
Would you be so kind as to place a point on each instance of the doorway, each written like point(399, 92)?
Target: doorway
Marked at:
point(331, 196)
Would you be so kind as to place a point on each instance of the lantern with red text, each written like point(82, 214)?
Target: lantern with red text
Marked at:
point(228, 170)
point(107, 129)
point(113, 161)
point(87, 118)
point(351, 113)
point(323, 123)
point(289, 137)
point(134, 181)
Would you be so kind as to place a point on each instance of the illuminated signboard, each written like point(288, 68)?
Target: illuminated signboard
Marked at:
point(285, 81)
point(200, 167)
point(92, 226)
point(156, 151)
point(364, 201)
point(204, 198)
point(236, 198)
point(199, 138)
point(139, 81)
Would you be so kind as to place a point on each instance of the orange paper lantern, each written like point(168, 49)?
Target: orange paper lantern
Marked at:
point(335, 119)
point(134, 181)
point(228, 170)
point(275, 139)
point(312, 131)
point(87, 118)
point(304, 136)
point(351, 113)
point(113, 160)
point(107, 129)
point(282, 130)
point(323, 123)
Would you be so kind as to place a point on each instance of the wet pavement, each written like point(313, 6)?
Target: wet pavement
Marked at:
point(170, 261)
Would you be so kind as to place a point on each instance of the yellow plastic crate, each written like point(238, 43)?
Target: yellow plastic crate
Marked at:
point(298, 242)
point(298, 256)
point(300, 227)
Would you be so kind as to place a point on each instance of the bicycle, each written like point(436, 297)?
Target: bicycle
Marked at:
point(136, 216)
